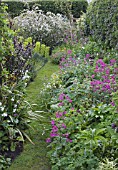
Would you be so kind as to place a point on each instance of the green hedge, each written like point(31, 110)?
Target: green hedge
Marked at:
point(102, 22)
point(15, 8)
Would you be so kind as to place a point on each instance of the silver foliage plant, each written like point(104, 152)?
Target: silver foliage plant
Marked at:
point(48, 28)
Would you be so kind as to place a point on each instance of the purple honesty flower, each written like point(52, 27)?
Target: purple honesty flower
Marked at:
point(112, 61)
point(69, 51)
point(52, 122)
point(78, 111)
point(63, 59)
point(100, 61)
point(113, 125)
point(61, 96)
point(113, 79)
point(65, 135)
point(96, 82)
point(15, 115)
point(59, 114)
point(107, 86)
point(107, 71)
point(65, 40)
point(101, 70)
point(68, 99)
point(87, 56)
point(63, 125)
point(54, 129)
point(104, 76)
point(48, 140)
point(68, 140)
point(61, 104)
point(93, 76)
point(112, 103)
point(66, 65)
point(106, 81)
point(64, 112)
point(116, 70)
point(96, 70)
point(53, 135)
point(71, 58)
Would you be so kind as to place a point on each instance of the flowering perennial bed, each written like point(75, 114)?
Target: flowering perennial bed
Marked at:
point(84, 106)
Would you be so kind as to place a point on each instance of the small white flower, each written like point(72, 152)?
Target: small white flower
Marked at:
point(14, 110)
point(15, 105)
point(25, 84)
point(2, 109)
point(4, 114)
point(25, 77)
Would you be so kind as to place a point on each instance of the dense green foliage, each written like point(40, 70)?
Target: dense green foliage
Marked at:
point(102, 22)
point(15, 7)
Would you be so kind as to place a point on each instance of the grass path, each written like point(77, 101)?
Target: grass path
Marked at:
point(34, 157)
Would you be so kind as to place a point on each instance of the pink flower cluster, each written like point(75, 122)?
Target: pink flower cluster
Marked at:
point(55, 131)
point(106, 75)
point(60, 114)
point(62, 97)
point(68, 61)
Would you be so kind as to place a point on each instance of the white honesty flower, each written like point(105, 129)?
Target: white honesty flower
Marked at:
point(4, 114)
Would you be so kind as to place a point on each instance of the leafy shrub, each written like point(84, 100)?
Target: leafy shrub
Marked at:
point(15, 8)
point(102, 23)
point(49, 29)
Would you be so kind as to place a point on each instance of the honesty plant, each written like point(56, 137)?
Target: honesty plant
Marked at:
point(84, 115)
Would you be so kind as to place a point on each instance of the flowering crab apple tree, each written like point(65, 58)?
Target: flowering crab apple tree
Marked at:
point(48, 28)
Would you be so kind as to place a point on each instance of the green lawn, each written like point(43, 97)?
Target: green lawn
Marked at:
point(34, 156)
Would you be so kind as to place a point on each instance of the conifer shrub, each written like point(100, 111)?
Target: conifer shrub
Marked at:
point(102, 22)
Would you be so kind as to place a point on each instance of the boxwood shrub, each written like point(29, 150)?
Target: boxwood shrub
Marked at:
point(102, 22)
point(15, 8)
